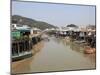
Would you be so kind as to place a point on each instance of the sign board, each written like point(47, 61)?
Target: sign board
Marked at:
point(16, 34)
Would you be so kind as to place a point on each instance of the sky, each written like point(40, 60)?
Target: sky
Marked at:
point(56, 14)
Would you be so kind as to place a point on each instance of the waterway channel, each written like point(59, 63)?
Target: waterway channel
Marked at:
point(55, 54)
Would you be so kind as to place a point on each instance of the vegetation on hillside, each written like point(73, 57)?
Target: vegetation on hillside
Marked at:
point(31, 22)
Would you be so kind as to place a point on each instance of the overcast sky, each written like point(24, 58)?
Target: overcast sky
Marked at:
point(56, 14)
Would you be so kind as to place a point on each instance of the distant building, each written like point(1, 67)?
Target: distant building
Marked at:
point(91, 27)
point(35, 30)
point(19, 27)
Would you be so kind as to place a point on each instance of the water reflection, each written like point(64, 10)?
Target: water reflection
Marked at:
point(24, 66)
point(79, 48)
point(38, 47)
point(73, 46)
point(55, 55)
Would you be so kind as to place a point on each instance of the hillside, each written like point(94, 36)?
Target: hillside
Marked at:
point(31, 22)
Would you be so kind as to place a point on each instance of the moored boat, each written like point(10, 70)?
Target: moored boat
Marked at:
point(89, 50)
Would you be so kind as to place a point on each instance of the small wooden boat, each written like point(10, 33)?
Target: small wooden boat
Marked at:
point(89, 50)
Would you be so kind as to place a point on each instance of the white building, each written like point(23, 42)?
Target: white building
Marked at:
point(35, 30)
point(20, 27)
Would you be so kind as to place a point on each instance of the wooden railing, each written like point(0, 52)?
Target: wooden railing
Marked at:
point(21, 46)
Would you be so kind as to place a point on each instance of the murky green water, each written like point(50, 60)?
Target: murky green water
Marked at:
point(55, 55)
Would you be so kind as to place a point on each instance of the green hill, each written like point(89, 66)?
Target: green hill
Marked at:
point(31, 22)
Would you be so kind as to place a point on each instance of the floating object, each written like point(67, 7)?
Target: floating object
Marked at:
point(80, 41)
point(89, 50)
point(67, 39)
